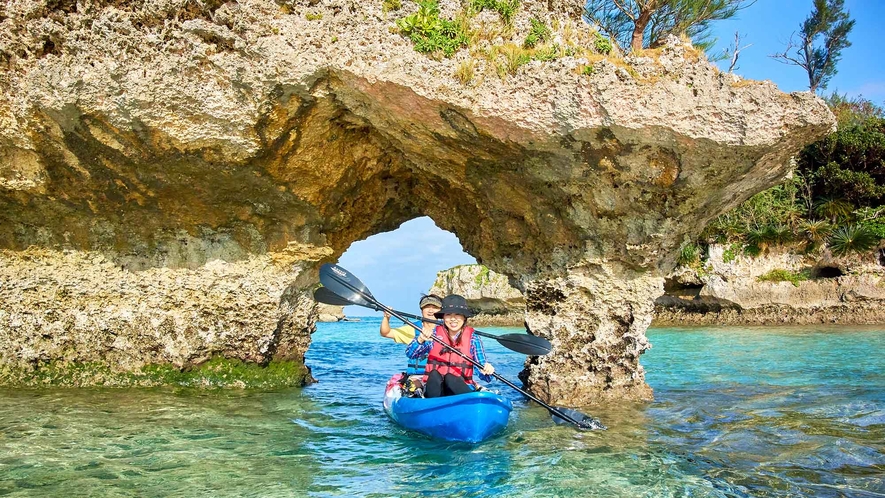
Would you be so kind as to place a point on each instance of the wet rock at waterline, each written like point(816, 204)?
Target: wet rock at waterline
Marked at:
point(187, 144)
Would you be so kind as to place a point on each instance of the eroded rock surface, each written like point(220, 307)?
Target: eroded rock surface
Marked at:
point(488, 293)
point(159, 138)
point(739, 289)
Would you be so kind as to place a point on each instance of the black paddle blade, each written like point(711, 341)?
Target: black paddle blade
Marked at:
point(325, 296)
point(523, 343)
point(344, 284)
point(583, 421)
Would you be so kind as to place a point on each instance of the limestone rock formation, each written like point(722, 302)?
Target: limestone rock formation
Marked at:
point(488, 294)
point(329, 313)
point(167, 138)
point(737, 290)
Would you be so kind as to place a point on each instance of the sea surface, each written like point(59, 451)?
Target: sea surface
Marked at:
point(737, 412)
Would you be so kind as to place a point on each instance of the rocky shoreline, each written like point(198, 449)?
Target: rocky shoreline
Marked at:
point(849, 314)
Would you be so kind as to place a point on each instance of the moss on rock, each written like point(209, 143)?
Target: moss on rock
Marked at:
point(216, 373)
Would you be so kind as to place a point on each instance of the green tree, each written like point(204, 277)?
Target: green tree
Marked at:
point(851, 111)
point(636, 24)
point(823, 36)
point(850, 163)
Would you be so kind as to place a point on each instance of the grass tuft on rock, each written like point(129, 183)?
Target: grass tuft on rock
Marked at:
point(780, 275)
point(432, 34)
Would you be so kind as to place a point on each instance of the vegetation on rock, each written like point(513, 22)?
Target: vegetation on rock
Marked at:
point(835, 197)
point(780, 275)
point(506, 8)
point(215, 373)
point(432, 34)
point(539, 33)
point(497, 43)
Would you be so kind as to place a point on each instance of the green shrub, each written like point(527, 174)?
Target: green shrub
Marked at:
point(537, 34)
point(850, 163)
point(833, 209)
point(779, 275)
point(689, 255)
point(766, 218)
point(852, 238)
point(430, 33)
point(514, 57)
point(731, 253)
point(465, 71)
point(313, 16)
point(547, 54)
point(588, 70)
point(873, 219)
point(769, 235)
point(505, 8)
point(816, 231)
point(601, 44)
point(390, 5)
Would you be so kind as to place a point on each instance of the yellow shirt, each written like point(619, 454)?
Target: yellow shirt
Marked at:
point(403, 335)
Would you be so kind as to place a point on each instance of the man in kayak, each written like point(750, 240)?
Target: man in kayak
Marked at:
point(447, 373)
point(429, 305)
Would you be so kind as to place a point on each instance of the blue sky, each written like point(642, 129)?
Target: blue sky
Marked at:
point(767, 25)
point(398, 266)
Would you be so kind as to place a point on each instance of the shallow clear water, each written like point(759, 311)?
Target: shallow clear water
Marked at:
point(738, 412)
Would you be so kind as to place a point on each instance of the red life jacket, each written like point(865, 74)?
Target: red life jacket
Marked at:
point(444, 361)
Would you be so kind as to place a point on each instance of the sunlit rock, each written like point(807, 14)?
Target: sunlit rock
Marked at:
point(162, 139)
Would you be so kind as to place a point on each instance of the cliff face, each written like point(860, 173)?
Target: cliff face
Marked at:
point(733, 289)
point(164, 139)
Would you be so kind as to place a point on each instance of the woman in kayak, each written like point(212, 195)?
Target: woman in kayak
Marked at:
point(447, 373)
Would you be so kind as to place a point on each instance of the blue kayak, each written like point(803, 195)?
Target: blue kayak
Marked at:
point(470, 417)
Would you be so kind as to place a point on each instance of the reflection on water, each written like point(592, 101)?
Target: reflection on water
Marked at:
point(738, 412)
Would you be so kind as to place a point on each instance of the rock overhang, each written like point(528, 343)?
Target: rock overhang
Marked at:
point(311, 132)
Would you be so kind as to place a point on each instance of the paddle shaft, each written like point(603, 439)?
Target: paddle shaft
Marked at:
point(437, 322)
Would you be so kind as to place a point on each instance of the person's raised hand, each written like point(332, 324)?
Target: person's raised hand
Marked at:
point(425, 335)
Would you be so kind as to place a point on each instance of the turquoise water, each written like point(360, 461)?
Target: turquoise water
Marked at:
point(738, 412)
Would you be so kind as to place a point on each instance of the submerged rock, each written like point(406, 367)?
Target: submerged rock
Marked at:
point(183, 168)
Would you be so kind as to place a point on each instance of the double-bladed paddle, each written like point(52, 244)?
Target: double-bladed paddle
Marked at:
point(346, 285)
point(521, 343)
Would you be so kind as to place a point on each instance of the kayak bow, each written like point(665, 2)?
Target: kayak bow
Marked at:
point(470, 418)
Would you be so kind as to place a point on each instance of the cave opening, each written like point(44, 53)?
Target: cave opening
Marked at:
point(828, 272)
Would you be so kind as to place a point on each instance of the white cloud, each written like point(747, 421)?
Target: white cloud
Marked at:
point(873, 90)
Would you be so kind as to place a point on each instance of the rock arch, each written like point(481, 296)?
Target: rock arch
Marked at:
point(180, 214)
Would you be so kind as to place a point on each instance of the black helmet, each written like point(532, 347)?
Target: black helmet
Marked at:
point(454, 304)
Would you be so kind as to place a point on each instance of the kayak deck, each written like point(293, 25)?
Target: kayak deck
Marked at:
point(471, 417)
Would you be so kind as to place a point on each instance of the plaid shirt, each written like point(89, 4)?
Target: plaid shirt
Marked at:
point(418, 350)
